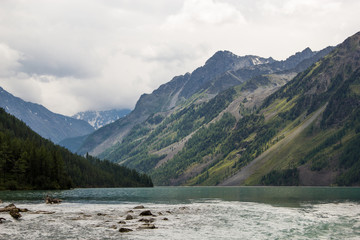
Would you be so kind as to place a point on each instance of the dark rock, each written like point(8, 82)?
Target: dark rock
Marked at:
point(124, 230)
point(129, 217)
point(121, 222)
point(101, 214)
point(130, 211)
point(139, 207)
point(51, 200)
point(165, 219)
point(2, 219)
point(113, 227)
point(147, 226)
point(15, 213)
point(11, 206)
point(147, 220)
point(146, 213)
point(160, 213)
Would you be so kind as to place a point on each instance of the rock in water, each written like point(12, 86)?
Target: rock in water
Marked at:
point(129, 217)
point(15, 213)
point(123, 230)
point(147, 226)
point(146, 213)
point(139, 207)
point(50, 200)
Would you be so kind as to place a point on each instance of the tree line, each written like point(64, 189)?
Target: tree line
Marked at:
point(28, 161)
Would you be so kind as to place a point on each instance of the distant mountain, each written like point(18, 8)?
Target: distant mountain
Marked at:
point(49, 125)
point(222, 71)
point(98, 119)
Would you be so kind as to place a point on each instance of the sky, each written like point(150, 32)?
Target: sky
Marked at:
point(78, 55)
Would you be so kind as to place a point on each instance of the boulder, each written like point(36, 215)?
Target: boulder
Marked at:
point(51, 200)
point(15, 213)
point(129, 217)
point(11, 206)
point(165, 219)
point(121, 222)
point(139, 207)
point(146, 220)
point(147, 226)
point(124, 230)
point(146, 213)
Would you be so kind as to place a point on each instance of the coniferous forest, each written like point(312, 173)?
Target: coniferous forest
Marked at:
point(28, 161)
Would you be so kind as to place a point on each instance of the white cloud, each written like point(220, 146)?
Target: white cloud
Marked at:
point(9, 60)
point(91, 54)
point(205, 12)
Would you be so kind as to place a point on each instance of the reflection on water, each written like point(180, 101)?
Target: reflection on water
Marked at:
point(286, 196)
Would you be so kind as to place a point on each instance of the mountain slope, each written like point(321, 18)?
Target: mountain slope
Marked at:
point(307, 132)
point(304, 133)
point(49, 125)
point(28, 161)
point(220, 72)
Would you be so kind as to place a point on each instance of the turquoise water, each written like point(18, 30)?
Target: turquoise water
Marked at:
point(192, 213)
point(180, 195)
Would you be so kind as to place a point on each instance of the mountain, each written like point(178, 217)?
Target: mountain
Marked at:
point(49, 125)
point(98, 119)
point(222, 71)
point(28, 161)
point(306, 132)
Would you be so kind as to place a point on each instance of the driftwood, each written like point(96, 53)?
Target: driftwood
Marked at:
point(51, 200)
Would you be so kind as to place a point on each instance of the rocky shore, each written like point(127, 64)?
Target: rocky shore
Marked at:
point(136, 218)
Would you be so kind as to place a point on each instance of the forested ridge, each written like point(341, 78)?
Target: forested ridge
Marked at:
point(28, 161)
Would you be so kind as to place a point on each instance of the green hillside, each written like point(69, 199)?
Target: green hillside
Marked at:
point(27, 161)
point(266, 131)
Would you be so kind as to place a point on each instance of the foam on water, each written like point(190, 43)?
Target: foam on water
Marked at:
point(197, 220)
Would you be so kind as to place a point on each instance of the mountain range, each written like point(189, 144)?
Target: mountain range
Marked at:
point(247, 121)
point(222, 71)
point(49, 125)
point(98, 119)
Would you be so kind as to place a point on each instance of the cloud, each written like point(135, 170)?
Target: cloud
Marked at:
point(206, 12)
point(91, 54)
point(9, 60)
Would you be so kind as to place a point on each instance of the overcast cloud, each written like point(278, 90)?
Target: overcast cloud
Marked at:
point(76, 55)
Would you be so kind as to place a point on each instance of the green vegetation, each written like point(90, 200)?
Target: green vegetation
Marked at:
point(28, 161)
point(136, 149)
point(287, 177)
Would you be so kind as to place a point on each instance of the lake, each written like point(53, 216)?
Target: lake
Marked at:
point(188, 213)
